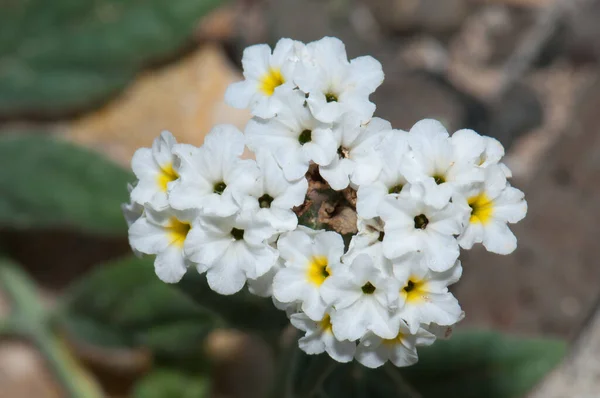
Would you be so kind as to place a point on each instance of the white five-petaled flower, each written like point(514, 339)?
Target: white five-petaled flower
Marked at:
point(369, 240)
point(231, 249)
point(415, 229)
point(319, 338)
point(373, 351)
point(356, 158)
point(424, 297)
point(434, 162)
point(273, 196)
point(293, 136)
point(491, 205)
point(310, 259)
point(360, 296)
point(333, 84)
point(163, 233)
point(211, 177)
point(393, 152)
point(265, 73)
point(156, 168)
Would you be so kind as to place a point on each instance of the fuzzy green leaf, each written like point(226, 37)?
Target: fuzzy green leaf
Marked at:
point(61, 55)
point(124, 304)
point(163, 383)
point(483, 364)
point(51, 183)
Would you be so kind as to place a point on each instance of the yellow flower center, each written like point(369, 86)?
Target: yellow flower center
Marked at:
point(325, 324)
point(166, 175)
point(482, 208)
point(415, 290)
point(318, 270)
point(178, 231)
point(270, 81)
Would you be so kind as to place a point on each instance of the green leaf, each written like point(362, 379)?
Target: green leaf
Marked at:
point(483, 364)
point(60, 55)
point(166, 383)
point(49, 183)
point(124, 304)
point(241, 310)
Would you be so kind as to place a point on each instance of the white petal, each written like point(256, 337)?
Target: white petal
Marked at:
point(148, 238)
point(498, 238)
point(369, 197)
point(366, 73)
point(239, 94)
point(510, 205)
point(170, 265)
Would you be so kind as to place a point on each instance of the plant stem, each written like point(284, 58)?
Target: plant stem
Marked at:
point(316, 374)
point(404, 387)
point(283, 386)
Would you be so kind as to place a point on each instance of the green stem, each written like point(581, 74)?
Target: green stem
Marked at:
point(283, 386)
point(8, 327)
point(318, 371)
point(403, 386)
point(30, 321)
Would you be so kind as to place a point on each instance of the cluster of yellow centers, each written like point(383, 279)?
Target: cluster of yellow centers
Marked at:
point(270, 81)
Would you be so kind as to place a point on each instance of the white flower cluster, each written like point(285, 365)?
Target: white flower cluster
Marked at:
point(421, 195)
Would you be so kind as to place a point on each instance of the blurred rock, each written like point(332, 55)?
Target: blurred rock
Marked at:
point(518, 3)
point(432, 16)
point(219, 24)
point(185, 98)
point(516, 113)
point(583, 32)
point(404, 99)
point(23, 372)
point(242, 364)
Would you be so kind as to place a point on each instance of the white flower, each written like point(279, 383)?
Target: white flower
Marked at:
point(393, 151)
point(230, 250)
point(480, 150)
point(163, 233)
point(368, 241)
point(434, 163)
point(211, 176)
point(360, 297)
point(293, 136)
point(265, 74)
point(356, 158)
point(319, 338)
point(424, 296)
point(309, 262)
point(132, 210)
point(263, 285)
point(273, 196)
point(491, 206)
point(412, 226)
point(336, 86)
point(156, 168)
point(373, 351)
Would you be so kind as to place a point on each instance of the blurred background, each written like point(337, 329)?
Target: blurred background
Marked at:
point(109, 75)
